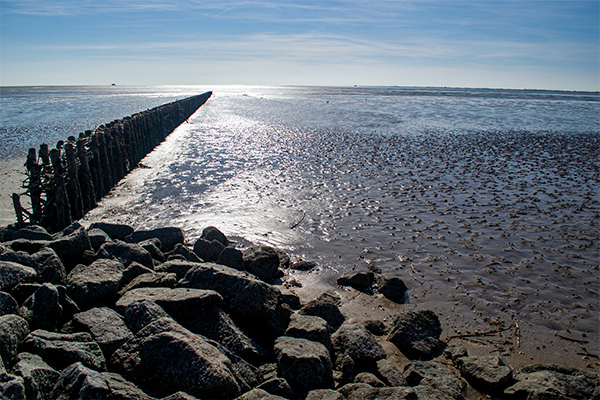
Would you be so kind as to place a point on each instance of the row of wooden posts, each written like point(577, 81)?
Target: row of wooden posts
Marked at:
point(66, 182)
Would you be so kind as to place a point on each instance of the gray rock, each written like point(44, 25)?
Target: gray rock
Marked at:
point(153, 247)
point(360, 281)
point(306, 365)
point(252, 303)
point(171, 300)
point(303, 265)
point(165, 357)
point(180, 396)
point(416, 334)
point(97, 238)
point(434, 380)
point(539, 382)
point(376, 327)
point(38, 376)
point(277, 387)
point(141, 313)
point(151, 279)
point(326, 307)
point(80, 382)
point(12, 274)
point(211, 233)
point(11, 387)
point(369, 379)
point(126, 253)
point(32, 232)
point(70, 248)
point(169, 237)
point(487, 373)
point(61, 350)
point(353, 340)
point(309, 327)
point(23, 290)
point(180, 268)
point(8, 305)
point(390, 373)
point(324, 394)
point(115, 231)
point(19, 257)
point(42, 310)
point(181, 249)
point(133, 270)
point(259, 394)
point(361, 391)
point(231, 257)
point(455, 351)
point(290, 298)
point(69, 308)
point(29, 246)
point(391, 287)
point(208, 251)
point(121, 389)
point(96, 284)
point(263, 262)
point(49, 267)
point(13, 330)
point(106, 327)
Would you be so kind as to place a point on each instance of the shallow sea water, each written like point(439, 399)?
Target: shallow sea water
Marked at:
point(485, 202)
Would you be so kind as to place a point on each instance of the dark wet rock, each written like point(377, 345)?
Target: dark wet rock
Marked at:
point(38, 376)
point(13, 330)
point(61, 350)
point(305, 364)
point(361, 391)
point(19, 257)
point(160, 355)
point(70, 248)
point(32, 232)
point(375, 327)
point(486, 373)
point(354, 341)
point(180, 396)
point(290, 298)
point(121, 389)
point(49, 267)
point(169, 237)
point(106, 327)
point(42, 310)
point(455, 351)
point(284, 258)
point(23, 290)
point(360, 281)
point(151, 279)
point(28, 246)
point(97, 238)
point(369, 379)
point(141, 313)
point(175, 301)
point(391, 287)
point(390, 373)
point(8, 305)
point(126, 253)
point(88, 257)
point(324, 394)
point(132, 271)
point(268, 371)
point(309, 327)
point(211, 233)
point(263, 262)
point(254, 304)
point(277, 387)
point(96, 284)
point(80, 382)
point(69, 307)
point(12, 274)
point(115, 231)
point(259, 394)
point(416, 334)
point(153, 246)
point(434, 380)
point(326, 307)
point(183, 250)
point(208, 251)
point(11, 387)
point(178, 267)
point(554, 382)
point(231, 257)
point(75, 226)
point(303, 265)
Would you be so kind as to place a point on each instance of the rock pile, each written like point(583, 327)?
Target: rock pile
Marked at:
point(110, 313)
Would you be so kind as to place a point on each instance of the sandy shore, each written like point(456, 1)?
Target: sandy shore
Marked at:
point(12, 174)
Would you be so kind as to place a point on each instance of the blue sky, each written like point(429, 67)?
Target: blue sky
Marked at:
point(541, 44)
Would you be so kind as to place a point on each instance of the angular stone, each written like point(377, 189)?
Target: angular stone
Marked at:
point(455, 351)
point(12, 274)
point(390, 373)
point(168, 236)
point(208, 251)
point(13, 330)
point(263, 262)
point(434, 380)
point(97, 238)
point(309, 327)
point(353, 340)
point(305, 364)
point(8, 305)
point(123, 389)
point(326, 307)
point(106, 327)
point(304, 265)
point(151, 279)
point(391, 287)
point(153, 246)
point(171, 300)
point(416, 334)
point(126, 253)
point(259, 394)
point(277, 387)
point(61, 350)
point(32, 232)
point(19, 257)
point(211, 233)
point(95, 285)
point(486, 373)
point(181, 249)
point(42, 310)
point(70, 248)
point(252, 303)
point(369, 379)
point(135, 269)
point(115, 231)
point(376, 327)
point(29, 246)
point(360, 281)
point(80, 382)
point(38, 376)
point(11, 387)
point(49, 267)
point(180, 268)
point(324, 394)
point(232, 258)
point(141, 313)
point(361, 391)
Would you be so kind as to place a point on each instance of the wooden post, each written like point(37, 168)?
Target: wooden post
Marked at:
point(72, 184)
point(86, 182)
point(63, 214)
point(18, 210)
point(35, 185)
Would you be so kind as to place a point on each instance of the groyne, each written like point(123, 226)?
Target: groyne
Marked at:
point(65, 182)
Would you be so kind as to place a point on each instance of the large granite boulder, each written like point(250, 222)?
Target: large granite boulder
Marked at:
point(178, 267)
point(107, 328)
point(263, 262)
point(309, 327)
point(360, 281)
point(169, 236)
point(141, 313)
point(434, 380)
point(32, 232)
point(96, 284)
point(97, 238)
point(151, 279)
point(49, 267)
point(211, 233)
point(416, 334)
point(391, 287)
point(8, 304)
point(42, 309)
point(12, 274)
point(11, 387)
point(390, 373)
point(353, 340)
point(305, 364)
point(70, 248)
point(114, 230)
point(486, 373)
point(326, 307)
point(361, 391)
point(182, 250)
point(126, 253)
point(13, 330)
point(231, 257)
point(208, 251)
point(38, 377)
point(19, 257)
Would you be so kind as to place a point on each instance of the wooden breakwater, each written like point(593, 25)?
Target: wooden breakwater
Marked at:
point(66, 182)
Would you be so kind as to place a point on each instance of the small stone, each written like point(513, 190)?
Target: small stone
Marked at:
point(360, 281)
point(211, 233)
point(416, 334)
